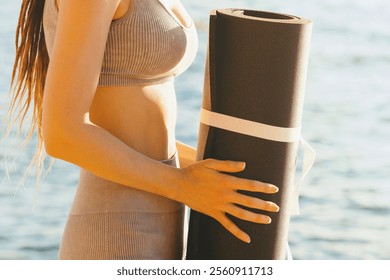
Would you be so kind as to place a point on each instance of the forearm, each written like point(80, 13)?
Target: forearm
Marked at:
point(101, 153)
point(201, 185)
point(187, 154)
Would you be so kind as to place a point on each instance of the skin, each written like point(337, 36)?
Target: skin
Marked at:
point(112, 131)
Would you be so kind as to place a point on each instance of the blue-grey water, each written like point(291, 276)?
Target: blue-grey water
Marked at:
point(345, 201)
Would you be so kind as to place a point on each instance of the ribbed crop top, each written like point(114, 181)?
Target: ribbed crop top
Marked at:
point(147, 45)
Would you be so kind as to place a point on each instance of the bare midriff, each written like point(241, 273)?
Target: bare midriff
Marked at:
point(142, 116)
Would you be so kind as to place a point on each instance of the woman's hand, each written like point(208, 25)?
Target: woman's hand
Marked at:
point(213, 193)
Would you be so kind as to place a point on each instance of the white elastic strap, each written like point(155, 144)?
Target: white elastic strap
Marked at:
point(309, 155)
point(251, 128)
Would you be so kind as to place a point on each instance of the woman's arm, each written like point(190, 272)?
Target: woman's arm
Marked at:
point(71, 83)
point(69, 134)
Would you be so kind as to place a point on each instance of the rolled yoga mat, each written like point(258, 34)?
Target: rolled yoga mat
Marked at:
point(252, 109)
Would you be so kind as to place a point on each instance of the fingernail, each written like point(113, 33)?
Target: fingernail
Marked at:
point(273, 207)
point(248, 240)
point(274, 188)
point(242, 165)
point(269, 220)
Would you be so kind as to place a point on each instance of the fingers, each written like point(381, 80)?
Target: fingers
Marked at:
point(243, 215)
point(249, 216)
point(220, 196)
point(233, 229)
point(239, 183)
point(255, 203)
point(254, 186)
point(224, 165)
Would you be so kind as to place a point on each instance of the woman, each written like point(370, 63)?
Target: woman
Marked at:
point(106, 102)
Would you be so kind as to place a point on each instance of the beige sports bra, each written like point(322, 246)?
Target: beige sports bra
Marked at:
point(147, 45)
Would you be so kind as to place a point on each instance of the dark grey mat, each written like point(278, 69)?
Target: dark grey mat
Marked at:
point(256, 70)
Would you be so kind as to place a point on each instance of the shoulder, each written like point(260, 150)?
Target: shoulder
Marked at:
point(86, 17)
point(88, 8)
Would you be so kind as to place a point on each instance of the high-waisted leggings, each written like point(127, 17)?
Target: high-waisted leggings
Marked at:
point(111, 221)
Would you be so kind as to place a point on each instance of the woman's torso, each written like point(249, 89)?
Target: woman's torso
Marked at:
point(141, 113)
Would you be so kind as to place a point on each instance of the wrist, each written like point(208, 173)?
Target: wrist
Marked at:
point(171, 183)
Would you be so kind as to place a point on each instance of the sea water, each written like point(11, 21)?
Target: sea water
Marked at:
point(345, 200)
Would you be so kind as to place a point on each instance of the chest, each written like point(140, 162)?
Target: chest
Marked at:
point(147, 40)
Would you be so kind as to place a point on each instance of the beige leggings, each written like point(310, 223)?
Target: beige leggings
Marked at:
point(110, 221)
